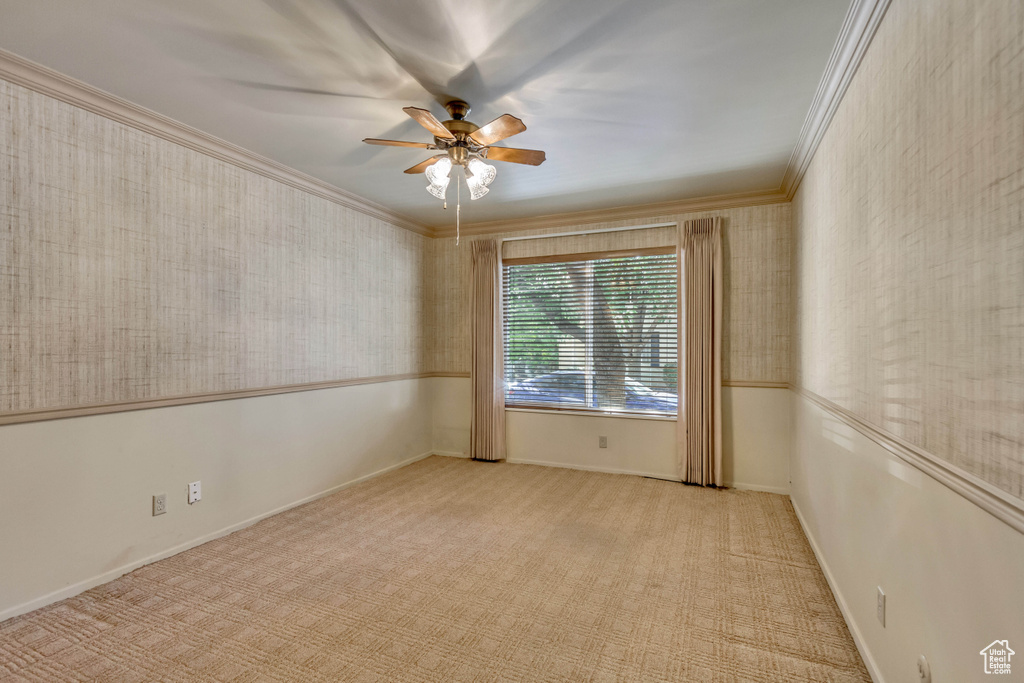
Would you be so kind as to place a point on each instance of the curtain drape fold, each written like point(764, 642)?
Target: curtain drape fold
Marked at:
point(699, 430)
point(487, 437)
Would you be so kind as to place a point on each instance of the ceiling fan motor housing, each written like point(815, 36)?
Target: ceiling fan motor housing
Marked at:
point(458, 109)
point(459, 149)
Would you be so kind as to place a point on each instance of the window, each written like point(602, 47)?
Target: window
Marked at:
point(592, 332)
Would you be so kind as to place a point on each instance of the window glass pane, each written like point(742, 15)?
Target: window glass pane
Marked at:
point(598, 334)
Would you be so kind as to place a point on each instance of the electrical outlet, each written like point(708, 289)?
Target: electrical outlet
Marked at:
point(924, 672)
point(602, 442)
point(880, 607)
point(195, 492)
point(159, 504)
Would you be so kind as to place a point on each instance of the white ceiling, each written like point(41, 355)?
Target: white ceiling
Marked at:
point(634, 101)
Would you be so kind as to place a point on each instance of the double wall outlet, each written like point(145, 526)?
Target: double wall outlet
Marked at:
point(195, 494)
point(602, 442)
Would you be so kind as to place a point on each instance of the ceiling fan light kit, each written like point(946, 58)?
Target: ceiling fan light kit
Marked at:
point(438, 175)
point(465, 144)
point(485, 172)
point(476, 188)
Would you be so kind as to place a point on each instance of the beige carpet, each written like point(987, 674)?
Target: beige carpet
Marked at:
point(451, 570)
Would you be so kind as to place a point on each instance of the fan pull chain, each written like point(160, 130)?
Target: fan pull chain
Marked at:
point(458, 210)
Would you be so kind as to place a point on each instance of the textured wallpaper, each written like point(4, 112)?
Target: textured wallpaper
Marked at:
point(757, 305)
point(910, 238)
point(133, 268)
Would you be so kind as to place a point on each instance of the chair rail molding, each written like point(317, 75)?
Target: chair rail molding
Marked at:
point(859, 27)
point(28, 74)
point(61, 413)
point(754, 384)
point(996, 502)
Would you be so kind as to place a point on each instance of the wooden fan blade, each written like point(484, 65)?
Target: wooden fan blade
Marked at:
point(428, 121)
point(505, 126)
point(422, 166)
point(397, 143)
point(533, 157)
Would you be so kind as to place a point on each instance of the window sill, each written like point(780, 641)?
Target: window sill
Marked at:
point(592, 413)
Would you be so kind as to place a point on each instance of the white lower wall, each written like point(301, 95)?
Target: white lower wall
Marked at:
point(635, 446)
point(952, 572)
point(757, 438)
point(757, 426)
point(452, 405)
point(75, 494)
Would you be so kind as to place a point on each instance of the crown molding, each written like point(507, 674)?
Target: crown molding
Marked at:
point(859, 27)
point(620, 213)
point(41, 79)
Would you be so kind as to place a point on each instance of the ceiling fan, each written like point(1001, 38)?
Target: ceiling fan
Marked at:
point(463, 143)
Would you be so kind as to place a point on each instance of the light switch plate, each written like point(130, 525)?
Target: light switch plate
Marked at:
point(195, 492)
point(880, 607)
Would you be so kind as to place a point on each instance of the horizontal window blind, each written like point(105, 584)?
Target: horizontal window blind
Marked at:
point(596, 333)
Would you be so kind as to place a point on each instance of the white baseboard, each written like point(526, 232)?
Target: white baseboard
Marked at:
point(740, 486)
point(452, 454)
point(105, 577)
point(590, 468)
point(858, 639)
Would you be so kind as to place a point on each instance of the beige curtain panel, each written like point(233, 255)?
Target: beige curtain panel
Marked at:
point(487, 440)
point(699, 429)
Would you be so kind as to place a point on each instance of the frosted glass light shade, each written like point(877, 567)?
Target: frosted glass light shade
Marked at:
point(438, 190)
point(484, 172)
point(476, 188)
point(437, 174)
